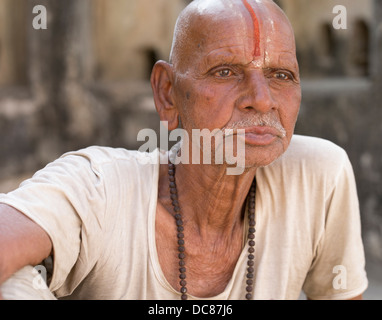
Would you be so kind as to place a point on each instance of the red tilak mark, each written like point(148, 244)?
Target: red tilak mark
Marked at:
point(256, 29)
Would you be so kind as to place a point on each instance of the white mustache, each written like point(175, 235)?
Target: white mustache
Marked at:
point(258, 120)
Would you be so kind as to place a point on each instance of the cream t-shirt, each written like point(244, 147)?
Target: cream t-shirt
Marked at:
point(98, 206)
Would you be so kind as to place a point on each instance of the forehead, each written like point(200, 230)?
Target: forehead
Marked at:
point(230, 34)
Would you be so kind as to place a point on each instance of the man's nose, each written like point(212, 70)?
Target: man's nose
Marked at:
point(256, 94)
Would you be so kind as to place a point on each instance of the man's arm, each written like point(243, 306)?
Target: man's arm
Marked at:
point(22, 242)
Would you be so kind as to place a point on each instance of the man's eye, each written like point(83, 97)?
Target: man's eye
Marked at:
point(283, 76)
point(223, 73)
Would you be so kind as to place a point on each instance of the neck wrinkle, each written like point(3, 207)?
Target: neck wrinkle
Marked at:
point(211, 201)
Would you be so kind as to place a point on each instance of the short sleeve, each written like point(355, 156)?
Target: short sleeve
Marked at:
point(67, 199)
point(338, 269)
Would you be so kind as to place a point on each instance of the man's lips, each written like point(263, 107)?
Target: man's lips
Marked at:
point(259, 135)
point(262, 130)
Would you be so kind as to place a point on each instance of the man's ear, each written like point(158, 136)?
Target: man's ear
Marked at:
point(162, 78)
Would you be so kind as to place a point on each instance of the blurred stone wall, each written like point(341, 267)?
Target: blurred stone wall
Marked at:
point(84, 81)
point(80, 82)
point(324, 51)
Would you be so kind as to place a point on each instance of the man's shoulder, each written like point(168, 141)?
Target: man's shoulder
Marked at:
point(113, 166)
point(104, 155)
point(313, 147)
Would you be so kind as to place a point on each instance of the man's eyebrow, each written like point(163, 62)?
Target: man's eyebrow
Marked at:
point(288, 60)
point(224, 55)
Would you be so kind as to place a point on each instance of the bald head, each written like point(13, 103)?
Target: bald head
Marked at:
point(203, 21)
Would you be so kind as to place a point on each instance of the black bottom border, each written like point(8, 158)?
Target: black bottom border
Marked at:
point(210, 309)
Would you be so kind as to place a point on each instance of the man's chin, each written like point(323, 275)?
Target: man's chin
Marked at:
point(263, 156)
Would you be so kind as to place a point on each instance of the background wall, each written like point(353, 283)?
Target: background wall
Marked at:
point(84, 81)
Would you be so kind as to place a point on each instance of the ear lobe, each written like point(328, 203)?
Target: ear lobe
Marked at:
point(161, 83)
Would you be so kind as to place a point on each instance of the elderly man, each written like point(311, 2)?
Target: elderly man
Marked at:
point(117, 227)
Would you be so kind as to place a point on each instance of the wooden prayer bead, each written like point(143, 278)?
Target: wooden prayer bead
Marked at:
point(180, 235)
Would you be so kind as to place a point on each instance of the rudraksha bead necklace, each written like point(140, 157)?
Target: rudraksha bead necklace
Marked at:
point(250, 271)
